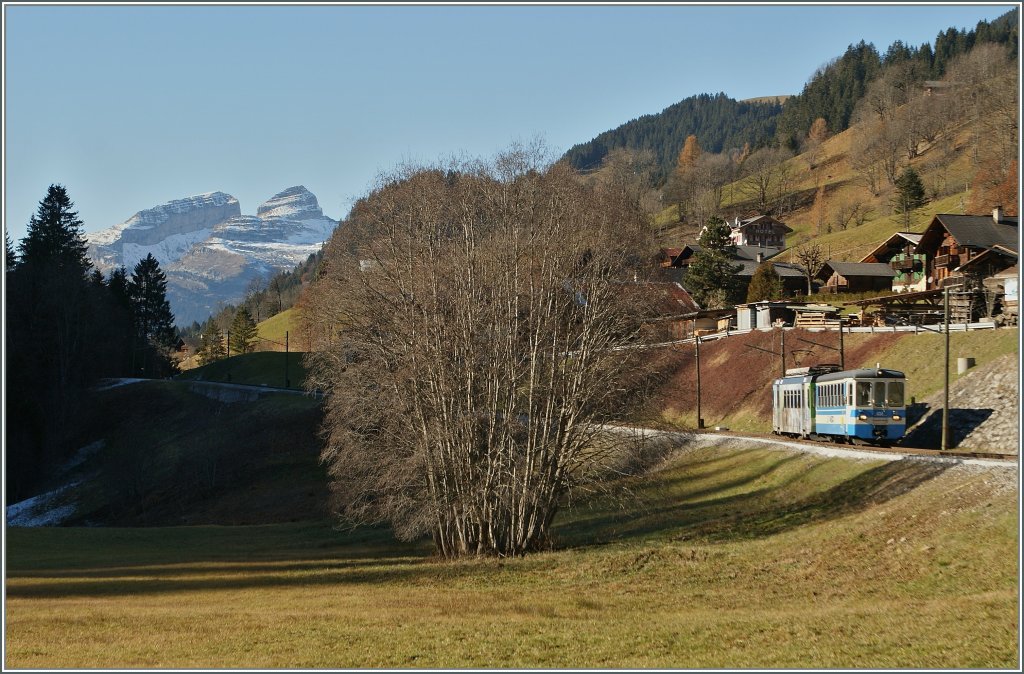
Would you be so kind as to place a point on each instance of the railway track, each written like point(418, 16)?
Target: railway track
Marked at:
point(896, 449)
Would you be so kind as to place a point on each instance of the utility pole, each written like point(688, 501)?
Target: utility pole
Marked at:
point(782, 332)
point(700, 421)
point(945, 390)
point(287, 384)
point(842, 350)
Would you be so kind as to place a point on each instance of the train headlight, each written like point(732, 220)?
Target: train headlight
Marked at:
point(863, 417)
point(896, 417)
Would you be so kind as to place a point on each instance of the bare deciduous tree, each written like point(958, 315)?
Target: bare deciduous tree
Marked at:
point(767, 177)
point(811, 257)
point(474, 314)
point(850, 211)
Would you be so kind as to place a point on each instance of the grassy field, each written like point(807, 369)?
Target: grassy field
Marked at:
point(262, 368)
point(726, 557)
point(273, 329)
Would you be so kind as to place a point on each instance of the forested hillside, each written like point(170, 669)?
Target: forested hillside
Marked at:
point(719, 122)
point(832, 93)
point(835, 89)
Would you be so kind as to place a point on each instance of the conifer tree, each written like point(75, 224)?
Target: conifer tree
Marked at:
point(147, 289)
point(10, 259)
point(211, 344)
point(766, 284)
point(55, 235)
point(118, 285)
point(909, 194)
point(243, 332)
point(711, 277)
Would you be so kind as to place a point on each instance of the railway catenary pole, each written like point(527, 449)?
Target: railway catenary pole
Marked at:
point(696, 342)
point(842, 350)
point(945, 389)
point(782, 333)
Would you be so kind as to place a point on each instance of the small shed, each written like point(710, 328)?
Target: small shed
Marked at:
point(764, 314)
point(855, 277)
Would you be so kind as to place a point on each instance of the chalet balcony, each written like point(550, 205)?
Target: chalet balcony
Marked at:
point(947, 261)
point(903, 265)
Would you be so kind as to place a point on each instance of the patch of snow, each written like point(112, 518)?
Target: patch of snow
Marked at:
point(114, 383)
point(169, 250)
point(42, 510)
point(105, 237)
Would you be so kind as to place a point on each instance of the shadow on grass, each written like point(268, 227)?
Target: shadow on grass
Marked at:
point(681, 514)
point(334, 575)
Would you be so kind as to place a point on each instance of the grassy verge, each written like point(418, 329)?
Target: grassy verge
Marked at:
point(263, 368)
point(921, 356)
point(728, 557)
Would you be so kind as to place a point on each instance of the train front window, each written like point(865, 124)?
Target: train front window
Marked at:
point(895, 398)
point(863, 394)
point(879, 394)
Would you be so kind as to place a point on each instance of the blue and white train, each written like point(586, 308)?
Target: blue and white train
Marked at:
point(855, 406)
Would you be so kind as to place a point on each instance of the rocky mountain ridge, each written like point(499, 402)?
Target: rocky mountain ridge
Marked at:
point(209, 250)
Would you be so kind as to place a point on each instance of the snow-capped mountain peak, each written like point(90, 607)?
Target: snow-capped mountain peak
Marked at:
point(294, 203)
point(209, 250)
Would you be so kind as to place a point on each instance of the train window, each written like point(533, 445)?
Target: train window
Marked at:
point(878, 395)
point(849, 394)
point(863, 394)
point(895, 397)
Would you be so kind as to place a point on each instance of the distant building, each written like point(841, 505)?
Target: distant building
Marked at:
point(951, 242)
point(748, 258)
point(855, 277)
point(910, 267)
point(761, 230)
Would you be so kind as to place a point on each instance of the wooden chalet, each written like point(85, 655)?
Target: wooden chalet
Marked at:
point(748, 259)
point(666, 256)
point(760, 230)
point(855, 277)
point(665, 308)
point(951, 242)
point(898, 252)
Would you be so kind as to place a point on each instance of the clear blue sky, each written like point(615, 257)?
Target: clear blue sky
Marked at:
point(130, 107)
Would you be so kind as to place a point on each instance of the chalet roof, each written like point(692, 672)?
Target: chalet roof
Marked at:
point(898, 239)
point(857, 269)
point(740, 224)
point(977, 231)
point(992, 252)
point(783, 269)
point(671, 253)
point(751, 252)
point(743, 253)
point(661, 298)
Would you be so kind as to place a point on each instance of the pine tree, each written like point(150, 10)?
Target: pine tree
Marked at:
point(55, 237)
point(909, 194)
point(766, 284)
point(10, 259)
point(118, 284)
point(711, 277)
point(243, 332)
point(147, 289)
point(211, 344)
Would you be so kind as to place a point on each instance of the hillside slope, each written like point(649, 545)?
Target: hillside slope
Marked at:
point(736, 377)
point(162, 455)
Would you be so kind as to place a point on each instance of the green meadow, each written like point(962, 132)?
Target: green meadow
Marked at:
point(721, 557)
